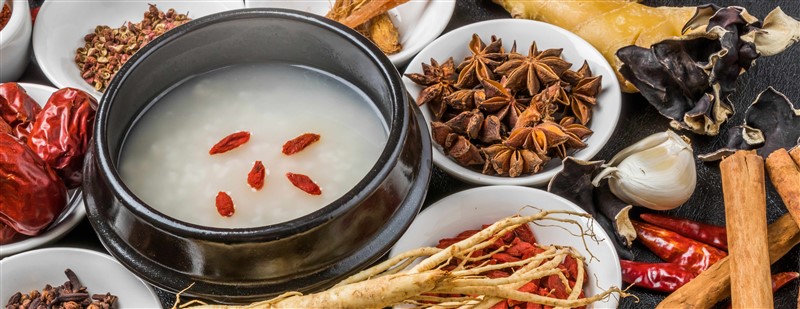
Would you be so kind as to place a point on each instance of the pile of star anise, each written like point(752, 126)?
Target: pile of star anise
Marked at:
point(508, 112)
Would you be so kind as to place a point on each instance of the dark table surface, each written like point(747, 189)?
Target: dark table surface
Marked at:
point(637, 121)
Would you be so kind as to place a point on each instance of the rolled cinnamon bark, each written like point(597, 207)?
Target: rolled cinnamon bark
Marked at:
point(746, 223)
point(784, 172)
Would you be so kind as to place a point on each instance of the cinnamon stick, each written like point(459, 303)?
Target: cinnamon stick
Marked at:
point(784, 172)
point(713, 285)
point(366, 11)
point(746, 223)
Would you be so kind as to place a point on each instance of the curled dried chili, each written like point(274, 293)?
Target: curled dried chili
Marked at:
point(230, 142)
point(299, 143)
point(304, 183)
point(62, 131)
point(674, 248)
point(705, 233)
point(18, 109)
point(662, 277)
point(256, 176)
point(31, 193)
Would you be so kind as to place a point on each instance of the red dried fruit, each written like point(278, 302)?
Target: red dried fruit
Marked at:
point(256, 176)
point(304, 183)
point(17, 109)
point(224, 204)
point(299, 143)
point(62, 131)
point(230, 142)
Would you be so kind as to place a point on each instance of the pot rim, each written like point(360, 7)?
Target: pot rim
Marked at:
point(388, 158)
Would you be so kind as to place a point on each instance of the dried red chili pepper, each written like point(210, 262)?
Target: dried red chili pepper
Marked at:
point(62, 131)
point(705, 233)
point(256, 176)
point(299, 143)
point(224, 204)
point(304, 183)
point(781, 279)
point(662, 277)
point(18, 109)
point(31, 193)
point(674, 248)
point(230, 142)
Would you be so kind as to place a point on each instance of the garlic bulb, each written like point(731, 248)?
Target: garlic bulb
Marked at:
point(657, 172)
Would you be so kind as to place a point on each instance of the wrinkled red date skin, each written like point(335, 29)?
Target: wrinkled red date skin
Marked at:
point(17, 109)
point(61, 133)
point(7, 234)
point(31, 193)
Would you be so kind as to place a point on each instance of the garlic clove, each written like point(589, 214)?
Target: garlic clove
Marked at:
point(658, 172)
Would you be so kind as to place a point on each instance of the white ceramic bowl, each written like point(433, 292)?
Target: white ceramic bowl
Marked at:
point(99, 272)
point(472, 208)
point(576, 50)
point(72, 215)
point(62, 24)
point(417, 21)
point(15, 42)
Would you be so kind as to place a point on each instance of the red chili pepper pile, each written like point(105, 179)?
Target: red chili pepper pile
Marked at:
point(257, 175)
point(519, 244)
point(689, 248)
point(41, 156)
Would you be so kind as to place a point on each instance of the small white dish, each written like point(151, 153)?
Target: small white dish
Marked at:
point(575, 50)
point(472, 208)
point(15, 41)
point(417, 21)
point(72, 215)
point(62, 24)
point(99, 272)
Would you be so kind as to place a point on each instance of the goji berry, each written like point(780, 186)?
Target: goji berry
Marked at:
point(299, 143)
point(230, 142)
point(256, 176)
point(304, 183)
point(224, 204)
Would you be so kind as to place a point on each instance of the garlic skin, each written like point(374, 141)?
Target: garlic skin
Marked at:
point(657, 172)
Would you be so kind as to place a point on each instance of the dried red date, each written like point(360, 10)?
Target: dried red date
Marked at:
point(31, 193)
point(225, 206)
point(230, 142)
point(299, 143)
point(256, 176)
point(18, 109)
point(62, 131)
point(7, 234)
point(304, 183)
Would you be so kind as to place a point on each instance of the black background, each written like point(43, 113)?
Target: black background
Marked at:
point(637, 121)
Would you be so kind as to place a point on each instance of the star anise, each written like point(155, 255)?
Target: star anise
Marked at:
point(480, 65)
point(438, 80)
point(534, 71)
point(573, 77)
point(467, 123)
point(465, 99)
point(511, 161)
point(501, 102)
point(539, 138)
point(576, 132)
point(456, 146)
point(584, 96)
point(491, 130)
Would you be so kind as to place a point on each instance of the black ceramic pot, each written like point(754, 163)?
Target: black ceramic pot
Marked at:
point(306, 254)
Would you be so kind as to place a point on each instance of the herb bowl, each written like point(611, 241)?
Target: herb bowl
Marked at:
point(15, 41)
point(73, 212)
point(305, 254)
point(472, 208)
point(575, 50)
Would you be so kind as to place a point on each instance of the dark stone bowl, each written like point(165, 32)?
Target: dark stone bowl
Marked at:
point(305, 254)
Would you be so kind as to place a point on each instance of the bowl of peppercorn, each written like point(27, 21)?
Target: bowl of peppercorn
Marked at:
point(261, 62)
point(15, 39)
point(506, 100)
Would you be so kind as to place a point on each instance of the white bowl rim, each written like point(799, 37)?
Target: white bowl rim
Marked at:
point(17, 20)
point(56, 231)
point(543, 177)
point(445, 8)
point(599, 231)
point(58, 251)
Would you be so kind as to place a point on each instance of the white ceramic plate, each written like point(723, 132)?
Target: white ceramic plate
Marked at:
point(62, 24)
point(472, 208)
point(417, 21)
point(68, 219)
point(99, 272)
point(576, 50)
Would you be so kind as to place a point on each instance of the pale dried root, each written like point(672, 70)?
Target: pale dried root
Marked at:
point(387, 284)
